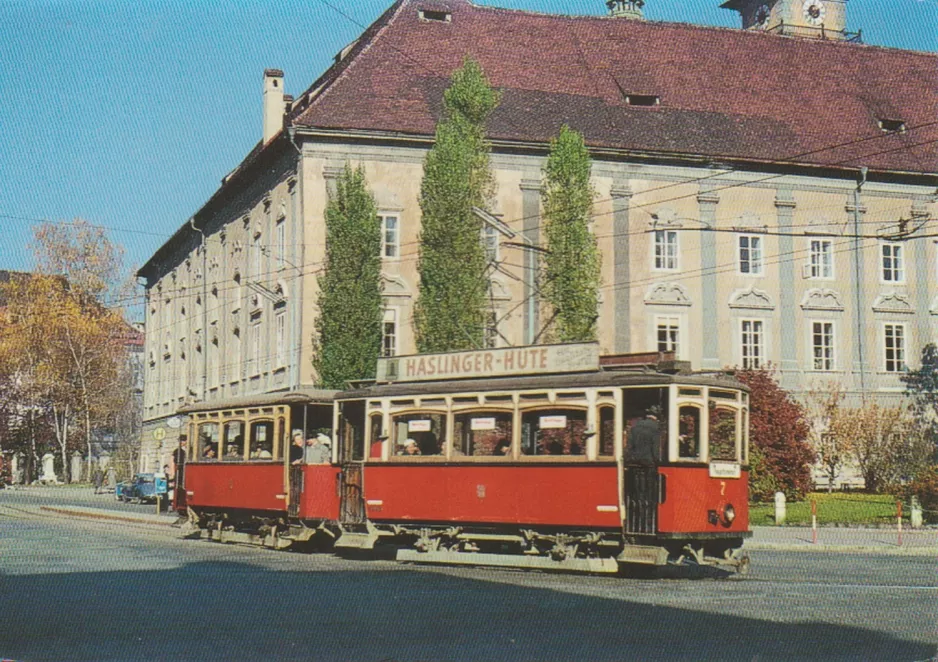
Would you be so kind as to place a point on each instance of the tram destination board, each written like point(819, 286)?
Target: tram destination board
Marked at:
point(503, 362)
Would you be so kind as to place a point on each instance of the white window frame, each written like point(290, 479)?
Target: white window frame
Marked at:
point(664, 261)
point(493, 339)
point(280, 325)
point(826, 363)
point(491, 244)
point(896, 270)
point(396, 244)
point(254, 346)
point(669, 321)
point(281, 227)
point(816, 258)
point(390, 317)
point(256, 257)
point(761, 346)
point(756, 254)
point(902, 352)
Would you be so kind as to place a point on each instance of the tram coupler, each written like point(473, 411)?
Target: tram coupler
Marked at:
point(736, 560)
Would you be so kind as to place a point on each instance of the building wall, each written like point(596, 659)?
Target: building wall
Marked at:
point(706, 295)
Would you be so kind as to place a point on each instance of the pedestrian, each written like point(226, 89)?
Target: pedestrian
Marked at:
point(111, 479)
point(97, 479)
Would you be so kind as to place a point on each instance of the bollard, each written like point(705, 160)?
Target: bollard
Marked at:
point(899, 520)
point(779, 508)
point(157, 504)
point(814, 521)
point(915, 513)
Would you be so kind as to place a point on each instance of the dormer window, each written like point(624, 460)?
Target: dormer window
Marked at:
point(435, 16)
point(644, 100)
point(892, 126)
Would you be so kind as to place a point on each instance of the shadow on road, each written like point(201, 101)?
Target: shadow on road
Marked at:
point(234, 611)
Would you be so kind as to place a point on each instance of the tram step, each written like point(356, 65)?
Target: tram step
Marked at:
point(352, 540)
point(603, 565)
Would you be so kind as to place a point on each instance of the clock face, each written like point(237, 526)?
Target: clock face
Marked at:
point(762, 16)
point(813, 11)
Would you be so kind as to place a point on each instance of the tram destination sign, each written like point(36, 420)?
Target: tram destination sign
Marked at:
point(504, 362)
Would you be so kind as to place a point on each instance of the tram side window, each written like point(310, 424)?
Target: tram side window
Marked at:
point(482, 433)
point(723, 432)
point(553, 432)
point(427, 430)
point(645, 415)
point(233, 441)
point(262, 440)
point(208, 441)
point(375, 443)
point(688, 443)
point(607, 431)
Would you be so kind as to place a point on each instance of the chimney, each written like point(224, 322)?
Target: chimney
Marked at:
point(626, 8)
point(273, 103)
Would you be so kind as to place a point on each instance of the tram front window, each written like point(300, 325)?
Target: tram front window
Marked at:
point(208, 442)
point(486, 433)
point(419, 434)
point(645, 415)
point(553, 432)
point(688, 443)
point(262, 440)
point(233, 441)
point(723, 432)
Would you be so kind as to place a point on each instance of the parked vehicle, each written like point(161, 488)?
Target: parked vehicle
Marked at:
point(141, 488)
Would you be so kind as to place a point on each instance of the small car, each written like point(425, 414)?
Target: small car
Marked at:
point(142, 487)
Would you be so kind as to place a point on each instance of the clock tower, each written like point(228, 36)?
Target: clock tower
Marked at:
point(818, 19)
point(626, 8)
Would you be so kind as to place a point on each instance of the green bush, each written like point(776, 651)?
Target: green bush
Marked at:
point(925, 487)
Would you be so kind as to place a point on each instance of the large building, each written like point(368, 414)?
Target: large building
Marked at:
point(764, 194)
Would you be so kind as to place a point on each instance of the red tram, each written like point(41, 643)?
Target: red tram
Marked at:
point(548, 457)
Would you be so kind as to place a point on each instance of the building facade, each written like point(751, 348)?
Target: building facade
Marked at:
point(763, 196)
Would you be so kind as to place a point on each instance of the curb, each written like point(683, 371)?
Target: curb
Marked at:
point(841, 549)
point(105, 515)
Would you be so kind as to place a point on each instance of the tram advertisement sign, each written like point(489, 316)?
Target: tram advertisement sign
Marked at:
point(504, 362)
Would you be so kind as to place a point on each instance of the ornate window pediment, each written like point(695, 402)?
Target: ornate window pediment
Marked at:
point(665, 217)
point(750, 222)
point(499, 289)
point(821, 299)
point(822, 225)
point(394, 286)
point(893, 302)
point(751, 298)
point(667, 294)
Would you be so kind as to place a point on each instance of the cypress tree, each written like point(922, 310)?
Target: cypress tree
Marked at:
point(347, 338)
point(450, 309)
point(572, 265)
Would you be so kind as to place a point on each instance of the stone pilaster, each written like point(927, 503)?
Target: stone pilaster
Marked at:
point(622, 316)
point(708, 200)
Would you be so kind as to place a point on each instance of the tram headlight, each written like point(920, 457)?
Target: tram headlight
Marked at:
point(729, 513)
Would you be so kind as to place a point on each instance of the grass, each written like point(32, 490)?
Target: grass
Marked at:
point(843, 508)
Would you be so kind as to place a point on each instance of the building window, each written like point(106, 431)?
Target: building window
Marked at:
point(256, 255)
point(235, 364)
point(895, 347)
point(667, 330)
point(752, 344)
point(491, 330)
point(254, 345)
point(236, 293)
point(281, 242)
point(822, 344)
point(893, 267)
point(666, 249)
point(822, 259)
point(390, 236)
point(281, 338)
point(750, 255)
point(389, 333)
point(490, 242)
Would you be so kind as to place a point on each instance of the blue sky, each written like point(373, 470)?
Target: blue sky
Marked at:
point(128, 113)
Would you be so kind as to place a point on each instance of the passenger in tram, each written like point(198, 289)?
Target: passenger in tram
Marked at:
point(409, 447)
point(644, 440)
point(318, 449)
point(233, 452)
point(297, 449)
point(260, 453)
point(503, 447)
point(209, 452)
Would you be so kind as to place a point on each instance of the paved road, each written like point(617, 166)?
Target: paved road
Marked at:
point(85, 590)
point(69, 495)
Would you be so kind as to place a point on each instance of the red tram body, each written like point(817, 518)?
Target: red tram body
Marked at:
point(569, 462)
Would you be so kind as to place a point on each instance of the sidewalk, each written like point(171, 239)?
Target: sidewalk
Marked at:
point(163, 519)
point(923, 542)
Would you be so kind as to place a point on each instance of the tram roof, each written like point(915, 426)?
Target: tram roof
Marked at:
point(296, 397)
point(600, 379)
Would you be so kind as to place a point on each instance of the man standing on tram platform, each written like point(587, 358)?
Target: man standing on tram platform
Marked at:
point(318, 449)
point(297, 448)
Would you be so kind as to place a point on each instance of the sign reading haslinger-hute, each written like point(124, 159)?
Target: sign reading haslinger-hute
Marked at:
point(532, 360)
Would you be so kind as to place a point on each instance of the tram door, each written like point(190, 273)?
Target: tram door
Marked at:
point(646, 430)
point(351, 435)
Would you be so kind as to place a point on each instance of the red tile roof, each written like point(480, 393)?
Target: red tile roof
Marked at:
point(724, 93)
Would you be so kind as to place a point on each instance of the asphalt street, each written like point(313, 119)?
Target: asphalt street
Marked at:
point(87, 590)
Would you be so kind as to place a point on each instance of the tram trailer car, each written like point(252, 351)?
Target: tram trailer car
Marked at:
point(608, 463)
point(240, 483)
